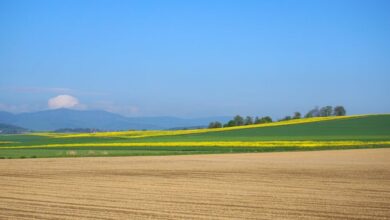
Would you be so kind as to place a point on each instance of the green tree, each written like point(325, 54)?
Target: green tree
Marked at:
point(313, 113)
point(326, 111)
point(339, 111)
point(238, 120)
point(297, 115)
point(267, 119)
point(215, 124)
point(230, 123)
point(285, 118)
point(248, 120)
point(262, 120)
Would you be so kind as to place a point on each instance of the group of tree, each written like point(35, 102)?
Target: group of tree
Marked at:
point(326, 111)
point(238, 120)
point(215, 124)
point(297, 115)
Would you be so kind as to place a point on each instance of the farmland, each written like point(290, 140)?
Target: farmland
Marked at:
point(324, 182)
point(348, 132)
point(349, 184)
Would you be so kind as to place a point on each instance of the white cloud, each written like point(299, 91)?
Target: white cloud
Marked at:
point(63, 101)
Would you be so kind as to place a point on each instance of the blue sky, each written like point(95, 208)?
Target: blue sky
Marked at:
point(196, 58)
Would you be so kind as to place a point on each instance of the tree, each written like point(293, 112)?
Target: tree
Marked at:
point(339, 111)
point(238, 120)
point(313, 113)
point(285, 118)
point(267, 119)
point(230, 123)
point(262, 120)
point(326, 111)
point(297, 115)
point(215, 124)
point(248, 120)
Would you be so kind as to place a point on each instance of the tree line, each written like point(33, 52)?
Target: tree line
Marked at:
point(238, 120)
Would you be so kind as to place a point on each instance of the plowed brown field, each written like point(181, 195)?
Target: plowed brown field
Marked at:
point(348, 184)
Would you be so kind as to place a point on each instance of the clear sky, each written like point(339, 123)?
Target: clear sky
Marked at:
point(195, 58)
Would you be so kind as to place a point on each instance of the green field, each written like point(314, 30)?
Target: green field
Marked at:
point(367, 131)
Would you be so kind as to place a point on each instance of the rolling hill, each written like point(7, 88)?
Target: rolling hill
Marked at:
point(366, 127)
point(96, 119)
point(11, 129)
point(347, 132)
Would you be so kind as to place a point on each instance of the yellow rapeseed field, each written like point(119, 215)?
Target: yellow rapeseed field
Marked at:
point(153, 133)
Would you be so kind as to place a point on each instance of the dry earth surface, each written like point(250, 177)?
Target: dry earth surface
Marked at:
point(348, 184)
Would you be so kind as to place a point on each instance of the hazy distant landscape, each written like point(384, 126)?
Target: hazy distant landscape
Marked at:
point(67, 118)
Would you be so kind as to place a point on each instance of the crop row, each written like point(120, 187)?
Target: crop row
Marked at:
point(215, 144)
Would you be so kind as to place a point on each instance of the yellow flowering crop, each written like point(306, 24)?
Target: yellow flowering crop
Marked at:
point(153, 133)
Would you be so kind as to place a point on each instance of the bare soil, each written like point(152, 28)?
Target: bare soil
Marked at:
point(344, 184)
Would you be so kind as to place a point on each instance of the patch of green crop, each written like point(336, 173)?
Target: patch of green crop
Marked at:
point(366, 128)
point(152, 151)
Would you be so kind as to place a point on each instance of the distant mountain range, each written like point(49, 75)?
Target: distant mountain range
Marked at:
point(50, 120)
